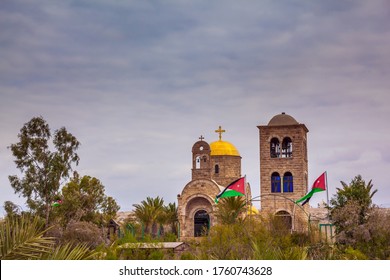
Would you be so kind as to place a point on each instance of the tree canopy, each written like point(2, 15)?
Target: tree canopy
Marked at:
point(44, 160)
point(357, 193)
point(84, 199)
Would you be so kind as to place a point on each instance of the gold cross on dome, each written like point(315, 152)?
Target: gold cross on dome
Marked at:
point(220, 131)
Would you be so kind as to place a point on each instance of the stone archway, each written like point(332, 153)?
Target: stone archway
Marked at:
point(283, 220)
point(201, 223)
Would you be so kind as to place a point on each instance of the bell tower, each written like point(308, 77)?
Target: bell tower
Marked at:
point(283, 167)
point(201, 160)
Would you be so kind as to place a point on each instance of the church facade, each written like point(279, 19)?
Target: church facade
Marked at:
point(283, 176)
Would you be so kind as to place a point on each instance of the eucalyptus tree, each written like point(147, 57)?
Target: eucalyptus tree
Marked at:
point(45, 161)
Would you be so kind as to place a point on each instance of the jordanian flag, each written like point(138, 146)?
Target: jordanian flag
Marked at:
point(318, 186)
point(236, 188)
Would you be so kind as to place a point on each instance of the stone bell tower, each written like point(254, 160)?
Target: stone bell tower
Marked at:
point(283, 168)
point(201, 160)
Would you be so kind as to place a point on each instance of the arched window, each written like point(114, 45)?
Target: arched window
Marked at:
point(288, 185)
point(287, 147)
point(275, 182)
point(197, 162)
point(201, 223)
point(216, 169)
point(275, 148)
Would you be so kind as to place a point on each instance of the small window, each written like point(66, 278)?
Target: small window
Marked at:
point(288, 185)
point(274, 148)
point(216, 169)
point(275, 183)
point(287, 147)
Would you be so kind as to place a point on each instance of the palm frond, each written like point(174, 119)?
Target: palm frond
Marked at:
point(22, 238)
point(70, 252)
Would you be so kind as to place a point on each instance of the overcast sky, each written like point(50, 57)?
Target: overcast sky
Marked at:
point(137, 82)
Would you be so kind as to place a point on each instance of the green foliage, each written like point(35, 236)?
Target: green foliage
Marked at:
point(225, 242)
point(171, 217)
point(42, 169)
point(187, 256)
point(230, 209)
point(69, 251)
point(363, 231)
point(11, 209)
point(152, 213)
point(170, 237)
point(354, 254)
point(84, 199)
point(156, 255)
point(357, 193)
point(249, 240)
point(23, 238)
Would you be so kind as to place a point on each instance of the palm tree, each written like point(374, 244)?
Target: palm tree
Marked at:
point(149, 212)
point(230, 208)
point(171, 216)
point(23, 238)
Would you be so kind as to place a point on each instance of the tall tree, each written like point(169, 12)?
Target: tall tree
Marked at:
point(357, 193)
point(84, 199)
point(43, 164)
point(171, 215)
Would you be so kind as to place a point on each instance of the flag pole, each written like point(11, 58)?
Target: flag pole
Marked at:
point(327, 193)
point(246, 195)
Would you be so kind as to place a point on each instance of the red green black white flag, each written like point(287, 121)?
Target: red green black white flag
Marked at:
point(319, 185)
point(235, 188)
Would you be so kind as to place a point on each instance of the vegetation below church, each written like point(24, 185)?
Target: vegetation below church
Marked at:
point(363, 232)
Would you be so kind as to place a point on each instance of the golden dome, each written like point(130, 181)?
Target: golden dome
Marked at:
point(252, 210)
point(223, 148)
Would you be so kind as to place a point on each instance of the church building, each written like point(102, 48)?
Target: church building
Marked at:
point(283, 176)
point(214, 166)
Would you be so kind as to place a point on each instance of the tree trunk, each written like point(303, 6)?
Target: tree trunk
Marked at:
point(47, 214)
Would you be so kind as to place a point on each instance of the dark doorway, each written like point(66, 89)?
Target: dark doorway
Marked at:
point(201, 223)
point(283, 221)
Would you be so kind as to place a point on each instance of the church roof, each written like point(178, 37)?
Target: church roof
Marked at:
point(223, 148)
point(282, 119)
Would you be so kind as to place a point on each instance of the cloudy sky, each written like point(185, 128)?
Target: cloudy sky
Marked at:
point(137, 82)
